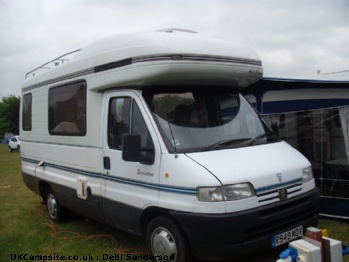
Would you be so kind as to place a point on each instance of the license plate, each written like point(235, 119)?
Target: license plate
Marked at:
point(287, 236)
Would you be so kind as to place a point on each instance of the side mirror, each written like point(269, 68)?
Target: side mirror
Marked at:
point(131, 147)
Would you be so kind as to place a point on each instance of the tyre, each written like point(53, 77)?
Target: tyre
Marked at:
point(10, 149)
point(55, 211)
point(19, 148)
point(166, 241)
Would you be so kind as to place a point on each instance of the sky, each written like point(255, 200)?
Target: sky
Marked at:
point(294, 38)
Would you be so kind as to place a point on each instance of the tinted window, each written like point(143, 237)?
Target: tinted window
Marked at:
point(199, 121)
point(118, 121)
point(67, 110)
point(27, 112)
point(125, 117)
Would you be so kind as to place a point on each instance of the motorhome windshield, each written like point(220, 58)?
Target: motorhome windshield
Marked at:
point(195, 121)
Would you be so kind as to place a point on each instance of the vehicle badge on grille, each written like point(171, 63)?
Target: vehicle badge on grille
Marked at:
point(282, 193)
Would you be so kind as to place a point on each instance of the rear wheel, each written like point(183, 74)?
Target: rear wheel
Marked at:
point(166, 241)
point(55, 211)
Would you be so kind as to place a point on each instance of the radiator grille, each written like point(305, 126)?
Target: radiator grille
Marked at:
point(273, 193)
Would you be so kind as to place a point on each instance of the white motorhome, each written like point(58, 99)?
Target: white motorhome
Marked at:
point(149, 134)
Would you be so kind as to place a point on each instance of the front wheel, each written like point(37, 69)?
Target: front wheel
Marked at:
point(55, 211)
point(166, 242)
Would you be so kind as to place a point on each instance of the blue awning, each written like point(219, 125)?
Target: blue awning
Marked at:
point(279, 95)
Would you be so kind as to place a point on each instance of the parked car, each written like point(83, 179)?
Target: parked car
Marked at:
point(14, 144)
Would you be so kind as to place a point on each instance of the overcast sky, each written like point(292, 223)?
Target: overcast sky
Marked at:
point(293, 37)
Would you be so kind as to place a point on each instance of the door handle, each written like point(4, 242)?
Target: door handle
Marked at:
point(106, 162)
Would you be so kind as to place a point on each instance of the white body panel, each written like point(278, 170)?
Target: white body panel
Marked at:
point(240, 165)
point(183, 172)
point(267, 167)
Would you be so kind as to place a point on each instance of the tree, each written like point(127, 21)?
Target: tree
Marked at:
point(9, 114)
point(167, 104)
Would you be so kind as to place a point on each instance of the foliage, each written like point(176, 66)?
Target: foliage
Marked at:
point(167, 104)
point(9, 114)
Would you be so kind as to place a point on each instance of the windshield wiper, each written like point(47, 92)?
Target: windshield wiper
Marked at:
point(262, 136)
point(226, 143)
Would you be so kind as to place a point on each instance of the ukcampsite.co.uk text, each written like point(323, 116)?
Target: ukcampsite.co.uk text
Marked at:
point(103, 257)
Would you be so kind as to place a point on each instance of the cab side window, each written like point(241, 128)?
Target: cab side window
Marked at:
point(125, 117)
point(118, 121)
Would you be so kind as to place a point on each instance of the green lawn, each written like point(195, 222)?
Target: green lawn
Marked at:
point(25, 228)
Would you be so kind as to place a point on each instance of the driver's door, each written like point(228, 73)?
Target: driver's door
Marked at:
point(129, 186)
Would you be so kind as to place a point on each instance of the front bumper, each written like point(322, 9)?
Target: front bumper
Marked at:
point(222, 236)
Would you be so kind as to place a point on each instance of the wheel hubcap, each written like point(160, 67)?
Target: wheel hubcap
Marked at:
point(52, 206)
point(163, 244)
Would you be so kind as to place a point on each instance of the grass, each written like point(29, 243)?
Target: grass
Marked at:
point(25, 228)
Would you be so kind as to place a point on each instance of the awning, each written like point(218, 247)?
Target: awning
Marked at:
point(279, 95)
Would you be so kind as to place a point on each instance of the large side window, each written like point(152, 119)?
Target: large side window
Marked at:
point(67, 109)
point(27, 112)
point(125, 117)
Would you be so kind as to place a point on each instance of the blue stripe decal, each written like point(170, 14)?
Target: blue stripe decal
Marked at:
point(274, 186)
point(170, 189)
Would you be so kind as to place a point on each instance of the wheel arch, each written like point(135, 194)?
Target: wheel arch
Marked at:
point(154, 211)
point(43, 188)
point(148, 214)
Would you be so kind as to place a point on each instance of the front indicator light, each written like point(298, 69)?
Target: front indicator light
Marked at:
point(307, 174)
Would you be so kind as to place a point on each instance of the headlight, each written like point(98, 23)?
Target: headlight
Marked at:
point(210, 194)
point(307, 174)
point(238, 191)
point(225, 193)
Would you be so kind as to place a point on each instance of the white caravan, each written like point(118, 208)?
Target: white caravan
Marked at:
point(149, 134)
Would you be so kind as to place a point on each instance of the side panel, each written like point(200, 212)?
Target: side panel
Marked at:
point(91, 207)
point(63, 167)
point(67, 158)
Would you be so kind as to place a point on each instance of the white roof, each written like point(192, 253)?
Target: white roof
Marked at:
point(158, 58)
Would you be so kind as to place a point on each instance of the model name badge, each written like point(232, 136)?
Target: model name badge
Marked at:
point(144, 173)
point(279, 175)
